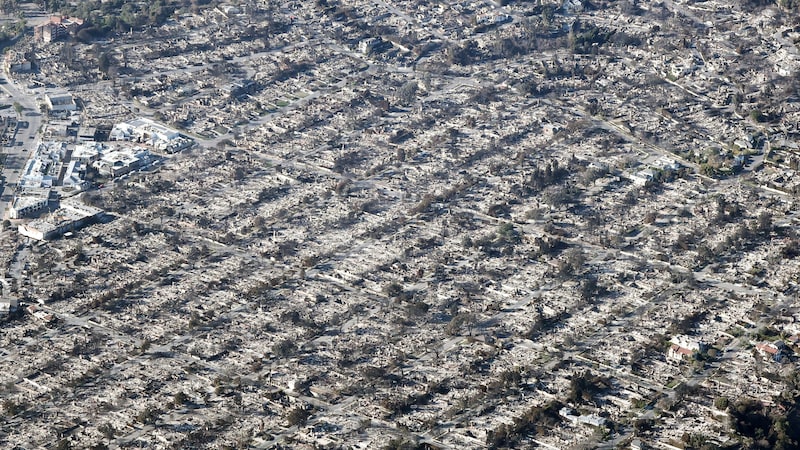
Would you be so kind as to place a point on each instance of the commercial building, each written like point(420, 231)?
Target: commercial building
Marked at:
point(87, 153)
point(73, 176)
point(146, 131)
point(16, 62)
point(56, 28)
point(69, 217)
point(8, 306)
point(60, 102)
point(43, 167)
point(87, 134)
point(28, 205)
point(118, 162)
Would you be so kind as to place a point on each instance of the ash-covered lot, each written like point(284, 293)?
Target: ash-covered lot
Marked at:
point(418, 225)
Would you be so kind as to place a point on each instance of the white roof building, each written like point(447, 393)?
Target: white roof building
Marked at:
point(117, 162)
point(146, 131)
point(87, 152)
point(642, 177)
point(73, 175)
point(664, 163)
point(43, 167)
point(61, 101)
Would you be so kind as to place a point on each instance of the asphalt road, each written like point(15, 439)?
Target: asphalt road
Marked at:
point(25, 141)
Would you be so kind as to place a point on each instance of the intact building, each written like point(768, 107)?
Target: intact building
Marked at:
point(73, 176)
point(88, 152)
point(8, 306)
point(60, 102)
point(118, 162)
point(56, 28)
point(683, 348)
point(87, 134)
point(146, 131)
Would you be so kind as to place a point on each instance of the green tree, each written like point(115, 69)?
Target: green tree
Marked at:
point(298, 416)
point(105, 62)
